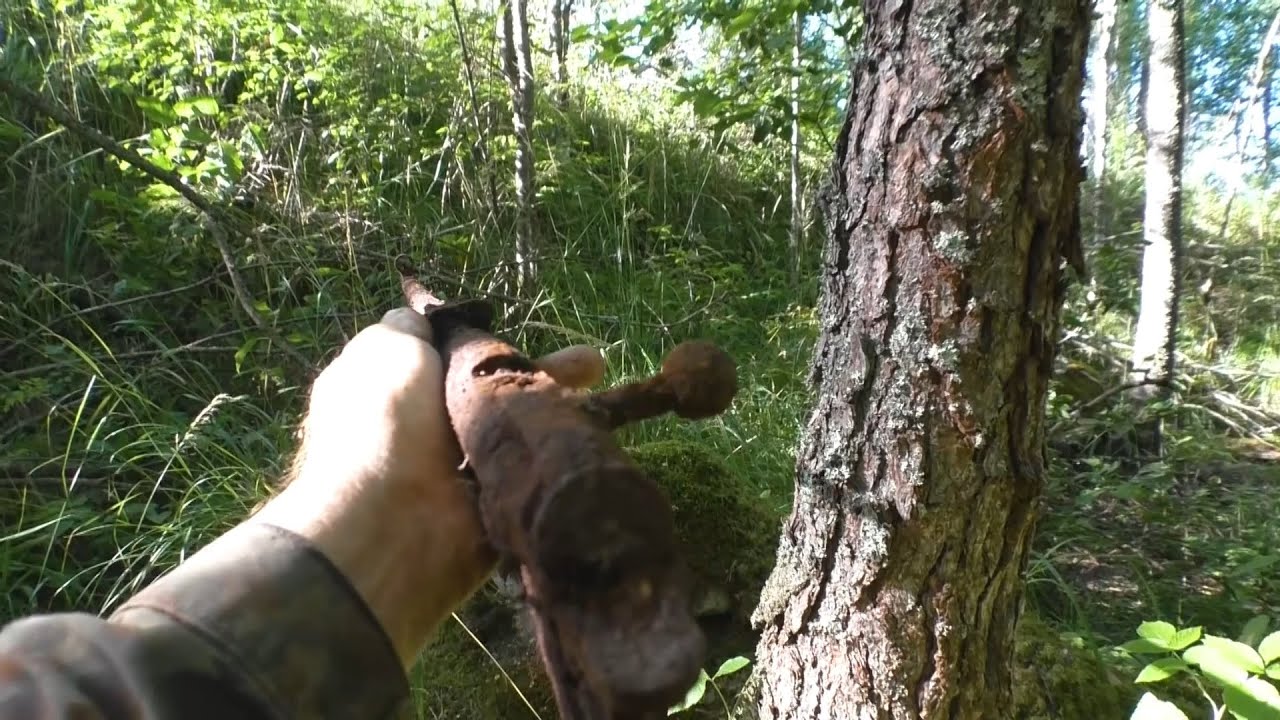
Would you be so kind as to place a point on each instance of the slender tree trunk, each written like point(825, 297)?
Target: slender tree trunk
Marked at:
point(518, 67)
point(797, 200)
point(954, 199)
point(1257, 89)
point(480, 146)
point(1144, 88)
point(561, 10)
point(1097, 86)
point(1155, 336)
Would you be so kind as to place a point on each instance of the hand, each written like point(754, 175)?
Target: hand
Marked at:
point(376, 485)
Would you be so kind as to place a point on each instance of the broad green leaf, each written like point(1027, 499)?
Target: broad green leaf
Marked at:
point(1221, 670)
point(741, 22)
point(1255, 699)
point(730, 666)
point(1158, 632)
point(1161, 669)
point(1142, 646)
point(1185, 638)
point(1151, 707)
point(156, 110)
point(1273, 671)
point(9, 131)
point(1269, 648)
point(196, 106)
point(693, 697)
point(1254, 630)
point(1241, 655)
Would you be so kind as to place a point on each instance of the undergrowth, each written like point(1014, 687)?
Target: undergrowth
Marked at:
point(146, 410)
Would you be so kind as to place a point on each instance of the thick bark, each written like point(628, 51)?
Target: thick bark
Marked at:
point(561, 10)
point(1155, 336)
point(1097, 85)
point(518, 67)
point(797, 202)
point(955, 197)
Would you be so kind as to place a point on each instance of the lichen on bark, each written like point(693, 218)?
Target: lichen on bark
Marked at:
point(951, 210)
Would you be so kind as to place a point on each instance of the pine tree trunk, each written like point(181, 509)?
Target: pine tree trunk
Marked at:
point(1155, 336)
point(797, 202)
point(518, 67)
point(1097, 86)
point(954, 199)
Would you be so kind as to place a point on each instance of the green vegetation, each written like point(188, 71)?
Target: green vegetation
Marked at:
point(147, 408)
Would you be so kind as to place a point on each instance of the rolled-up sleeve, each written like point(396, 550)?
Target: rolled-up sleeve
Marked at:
point(258, 624)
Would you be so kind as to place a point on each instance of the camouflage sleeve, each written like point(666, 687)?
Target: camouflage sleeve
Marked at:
point(258, 625)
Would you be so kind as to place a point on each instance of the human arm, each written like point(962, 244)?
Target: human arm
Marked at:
point(315, 605)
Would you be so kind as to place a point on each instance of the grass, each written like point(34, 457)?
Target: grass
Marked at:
point(145, 412)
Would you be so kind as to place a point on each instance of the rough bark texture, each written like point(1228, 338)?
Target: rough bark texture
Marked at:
point(518, 67)
point(955, 198)
point(1097, 86)
point(1155, 337)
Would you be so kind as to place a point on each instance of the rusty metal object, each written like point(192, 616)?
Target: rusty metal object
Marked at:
point(592, 535)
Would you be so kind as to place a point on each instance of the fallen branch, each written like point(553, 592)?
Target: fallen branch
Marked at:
point(216, 218)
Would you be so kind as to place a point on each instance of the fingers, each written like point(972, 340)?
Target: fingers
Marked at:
point(408, 321)
point(577, 366)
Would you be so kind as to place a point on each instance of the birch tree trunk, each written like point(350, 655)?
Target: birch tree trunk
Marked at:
point(561, 10)
point(1097, 86)
point(518, 68)
point(797, 202)
point(1155, 336)
point(953, 202)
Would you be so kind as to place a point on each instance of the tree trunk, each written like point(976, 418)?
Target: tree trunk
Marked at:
point(1155, 337)
point(954, 199)
point(1097, 85)
point(1257, 91)
point(561, 10)
point(518, 67)
point(797, 202)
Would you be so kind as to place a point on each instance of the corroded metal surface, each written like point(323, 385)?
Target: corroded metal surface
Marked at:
point(593, 536)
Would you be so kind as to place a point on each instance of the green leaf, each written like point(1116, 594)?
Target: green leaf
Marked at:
point(157, 110)
point(1273, 671)
point(1239, 654)
point(1269, 648)
point(1221, 670)
point(204, 105)
point(1254, 630)
point(1185, 638)
point(1161, 669)
point(693, 697)
point(1255, 699)
point(730, 666)
point(1151, 707)
point(244, 351)
point(1158, 632)
point(741, 22)
point(10, 131)
point(1142, 646)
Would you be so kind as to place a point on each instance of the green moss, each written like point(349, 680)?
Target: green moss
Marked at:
point(455, 679)
point(729, 537)
point(1056, 677)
